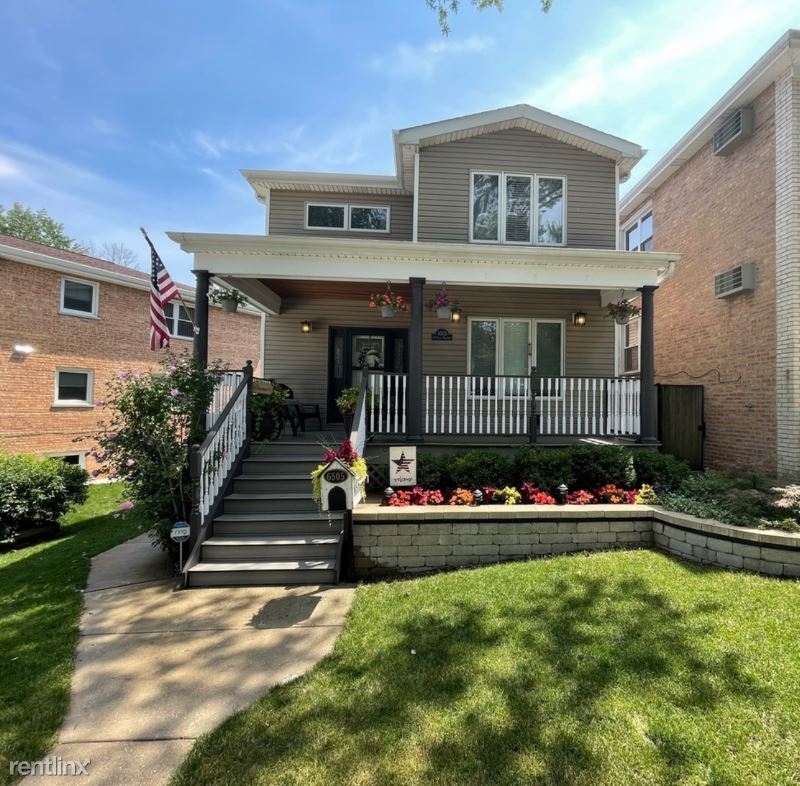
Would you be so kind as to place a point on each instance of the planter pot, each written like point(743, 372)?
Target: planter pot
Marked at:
point(347, 419)
point(443, 312)
point(620, 320)
point(230, 306)
point(387, 312)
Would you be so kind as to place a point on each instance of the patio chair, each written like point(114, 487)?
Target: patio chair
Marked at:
point(298, 412)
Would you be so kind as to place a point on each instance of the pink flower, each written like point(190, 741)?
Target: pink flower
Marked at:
point(126, 506)
point(122, 375)
point(174, 392)
point(129, 463)
point(112, 435)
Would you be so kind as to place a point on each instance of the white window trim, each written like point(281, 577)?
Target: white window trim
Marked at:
point(501, 207)
point(637, 219)
point(72, 312)
point(345, 218)
point(388, 210)
point(87, 402)
point(172, 321)
point(534, 321)
point(81, 457)
point(622, 345)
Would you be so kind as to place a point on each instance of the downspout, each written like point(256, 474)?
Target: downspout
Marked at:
point(616, 205)
point(415, 224)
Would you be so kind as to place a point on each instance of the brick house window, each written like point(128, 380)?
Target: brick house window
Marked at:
point(78, 298)
point(638, 234)
point(73, 387)
point(517, 208)
point(179, 320)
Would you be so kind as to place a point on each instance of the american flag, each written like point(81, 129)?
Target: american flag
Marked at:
point(162, 290)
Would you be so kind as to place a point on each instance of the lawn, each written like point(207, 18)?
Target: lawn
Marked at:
point(612, 669)
point(40, 601)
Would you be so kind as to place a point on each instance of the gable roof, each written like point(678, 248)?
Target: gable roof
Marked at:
point(784, 54)
point(409, 141)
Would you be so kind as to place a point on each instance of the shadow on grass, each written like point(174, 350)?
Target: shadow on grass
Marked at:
point(495, 687)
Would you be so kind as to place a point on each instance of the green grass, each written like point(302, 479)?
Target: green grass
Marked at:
point(40, 603)
point(612, 669)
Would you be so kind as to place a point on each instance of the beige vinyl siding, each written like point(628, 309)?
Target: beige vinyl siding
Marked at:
point(444, 184)
point(301, 361)
point(287, 214)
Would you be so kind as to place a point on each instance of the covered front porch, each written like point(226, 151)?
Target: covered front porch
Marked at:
point(517, 366)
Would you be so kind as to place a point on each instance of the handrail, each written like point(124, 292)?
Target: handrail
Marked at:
point(212, 464)
point(358, 432)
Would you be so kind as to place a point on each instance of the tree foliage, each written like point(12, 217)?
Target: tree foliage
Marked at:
point(444, 8)
point(38, 227)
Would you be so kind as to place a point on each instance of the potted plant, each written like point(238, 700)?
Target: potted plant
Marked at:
point(388, 302)
point(443, 304)
point(229, 299)
point(622, 311)
point(267, 406)
point(346, 401)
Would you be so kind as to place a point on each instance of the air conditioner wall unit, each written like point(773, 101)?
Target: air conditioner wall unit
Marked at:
point(741, 278)
point(734, 129)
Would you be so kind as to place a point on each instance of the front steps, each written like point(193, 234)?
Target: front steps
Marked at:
point(271, 531)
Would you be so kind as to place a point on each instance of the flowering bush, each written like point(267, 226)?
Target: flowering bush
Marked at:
point(348, 455)
point(611, 494)
point(531, 495)
point(646, 495)
point(489, 494)
point(416, 496)
point(508, 495)
point(155, 419)
point(389, 298)
point(580, 497)
point(461, 497)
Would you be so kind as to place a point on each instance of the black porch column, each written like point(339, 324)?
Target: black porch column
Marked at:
point(202, 281)
point(648, 430)
point(414, 400)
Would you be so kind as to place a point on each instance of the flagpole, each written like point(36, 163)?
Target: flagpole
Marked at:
point(190, 314)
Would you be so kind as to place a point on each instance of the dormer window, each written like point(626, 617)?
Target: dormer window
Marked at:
point(517, 208)
point(357, 218)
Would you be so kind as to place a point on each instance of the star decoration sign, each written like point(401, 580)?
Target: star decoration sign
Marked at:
point(403, 466)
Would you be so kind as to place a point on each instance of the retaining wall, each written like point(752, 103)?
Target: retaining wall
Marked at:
point(415, 539)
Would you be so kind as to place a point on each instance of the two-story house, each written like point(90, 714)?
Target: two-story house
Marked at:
point(512, 213)
point(727, 197)
point(72, 324)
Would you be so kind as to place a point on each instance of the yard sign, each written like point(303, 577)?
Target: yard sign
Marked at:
point(403, 466)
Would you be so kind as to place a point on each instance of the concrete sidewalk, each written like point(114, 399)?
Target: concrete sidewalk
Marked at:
point(157, 666)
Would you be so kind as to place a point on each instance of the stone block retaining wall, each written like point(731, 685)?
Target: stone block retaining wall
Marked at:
point(416, 539)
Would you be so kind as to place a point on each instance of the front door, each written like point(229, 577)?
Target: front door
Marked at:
point(352, 348)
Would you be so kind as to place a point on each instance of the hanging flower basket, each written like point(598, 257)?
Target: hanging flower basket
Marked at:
point(443, 304)
point(622, 311)
point(443, 312)
point(388, 302)
point(230, 306)
point(229, 299)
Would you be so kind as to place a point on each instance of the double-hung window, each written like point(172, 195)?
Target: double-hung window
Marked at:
point(638, 235)
point(509, 347)
point(78, 298)
point(179, 320)
point(517, 208)
point(73, 387)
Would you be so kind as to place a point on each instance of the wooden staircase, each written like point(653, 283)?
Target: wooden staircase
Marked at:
point(271, 531)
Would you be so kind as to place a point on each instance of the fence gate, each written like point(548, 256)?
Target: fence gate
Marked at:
point(681, 427)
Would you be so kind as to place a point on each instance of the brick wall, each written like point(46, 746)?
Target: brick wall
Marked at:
point(118, 339)
point(717, 212)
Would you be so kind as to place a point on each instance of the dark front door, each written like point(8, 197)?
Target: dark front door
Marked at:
point(352, 348)
point(681, 428)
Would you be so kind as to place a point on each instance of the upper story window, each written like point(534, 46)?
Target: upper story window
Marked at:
point(78, 298)
point(73, 387)
point(517, 208)
point(359, 218)
point(638, 235)
point(179, 320)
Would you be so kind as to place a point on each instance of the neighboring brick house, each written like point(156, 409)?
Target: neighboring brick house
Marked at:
point(72, 323)
point(727, 198)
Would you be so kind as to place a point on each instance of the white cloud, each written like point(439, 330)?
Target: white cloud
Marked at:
point(410, 61)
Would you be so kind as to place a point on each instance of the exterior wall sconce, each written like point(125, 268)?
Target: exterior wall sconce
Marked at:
point(305, 326)
point(455, 315)
point(579, 319)
point(23, 349)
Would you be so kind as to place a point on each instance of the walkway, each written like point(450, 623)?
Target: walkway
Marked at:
point(157, 667)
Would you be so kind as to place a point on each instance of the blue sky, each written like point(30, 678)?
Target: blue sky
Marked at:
point(121, 114)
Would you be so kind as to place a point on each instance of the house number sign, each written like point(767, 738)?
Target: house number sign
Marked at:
point(335, 476)
point(442, 334)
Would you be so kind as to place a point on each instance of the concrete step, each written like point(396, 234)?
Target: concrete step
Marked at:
point(272, 483)
point(227, 548)
point(280, 523)
point(263, 573)
point(270, 503)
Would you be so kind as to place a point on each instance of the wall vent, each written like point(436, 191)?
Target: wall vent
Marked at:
point(738, 279)
point(734, 129)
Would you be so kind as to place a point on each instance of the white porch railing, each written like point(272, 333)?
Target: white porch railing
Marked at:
point(222, 395)
point(501, 405)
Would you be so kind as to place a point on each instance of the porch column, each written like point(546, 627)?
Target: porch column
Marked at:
point(202, 281)
point(414, 399)
point(648, 430)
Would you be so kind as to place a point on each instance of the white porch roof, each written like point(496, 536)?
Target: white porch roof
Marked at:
point(251, 262)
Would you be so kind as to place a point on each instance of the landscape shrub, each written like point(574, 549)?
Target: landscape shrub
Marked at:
point(432, 471)
point(661, 470)
point(544, 468)
point(478, 468)
point(37, 492)
point(599, 465)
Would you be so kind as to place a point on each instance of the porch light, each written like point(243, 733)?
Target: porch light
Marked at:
point(305, 326)
point(579, 318)
point(23, 349)
point(455, 315)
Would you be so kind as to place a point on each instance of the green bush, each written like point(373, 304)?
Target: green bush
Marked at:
point(36, 492)
point(545, 468)
point(432, 471)
point(660, 470)
point(478, 468)
point(595, 466)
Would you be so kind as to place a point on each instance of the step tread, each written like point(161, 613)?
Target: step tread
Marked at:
point(211, 566)
point(275, 476)
point(271, 540)
point(268, 495)
point(277, 516)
